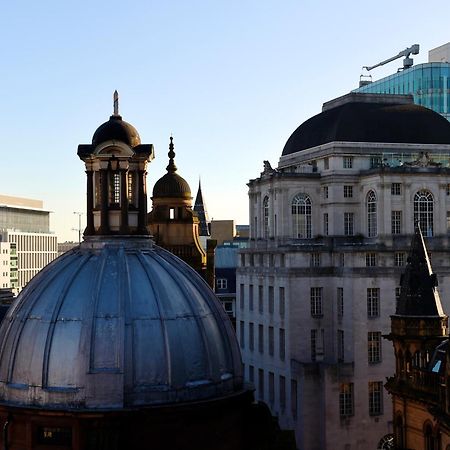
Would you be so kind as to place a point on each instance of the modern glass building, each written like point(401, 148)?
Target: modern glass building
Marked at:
point(429, 83)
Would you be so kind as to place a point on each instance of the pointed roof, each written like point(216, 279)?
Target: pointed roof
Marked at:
point(419, 296)
point(200, 209)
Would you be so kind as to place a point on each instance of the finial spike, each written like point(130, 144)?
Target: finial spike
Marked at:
point(171, 167)
point(116, 103)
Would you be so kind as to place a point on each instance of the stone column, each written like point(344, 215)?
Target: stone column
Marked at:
point(90, 203)
point(142, 201)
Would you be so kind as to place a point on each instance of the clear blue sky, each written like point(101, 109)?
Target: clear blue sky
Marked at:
point(230, 79)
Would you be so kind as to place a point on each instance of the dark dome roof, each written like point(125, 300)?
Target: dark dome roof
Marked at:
point(118, 130)
point(371, 122)
point(172, 185)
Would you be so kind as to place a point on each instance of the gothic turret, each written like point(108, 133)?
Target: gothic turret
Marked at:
point(418, 327)
point(116, 167)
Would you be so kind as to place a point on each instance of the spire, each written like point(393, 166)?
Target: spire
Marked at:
point(171, 168)
point(200, 209)
point(116, 103)
point(418, 296)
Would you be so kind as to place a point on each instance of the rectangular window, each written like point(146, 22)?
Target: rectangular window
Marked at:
point(371, 259)
point(221, 283)
point(250, 297)
point(374, 347)
point(396, 189)
point(282, 392)
point(271, 300)
point(375, 161)
point(347, 162)
point(241, 296)
point(399, 259)
point(282, 344)
point(313, 345)
point(271, 341)
point(281, 305)
point(340, 345)
point(251, 374)
point(447, 190)
point(271, 388)
point(346, 408)
point(396, 222)
point(325, 224)
point(342, 259)
point(348, 223)
point(116, 188)
point(294, 398)
point(242, 333)
point(315, 259)
point(373, 302)
point(326, 163)
point(340, 302)
point(260, 339)
point(398, 291)
point(316, 301)
point(448, 221)
point(261, 384)
point(131, 189)
point(375, 398)
point(325, 192)
point(260, 299)
point(348, 191)
point(251, 336)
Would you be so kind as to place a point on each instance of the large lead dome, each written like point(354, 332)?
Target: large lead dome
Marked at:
point(116, 323)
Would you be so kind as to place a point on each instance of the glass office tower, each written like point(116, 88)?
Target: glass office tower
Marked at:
point(429, 83)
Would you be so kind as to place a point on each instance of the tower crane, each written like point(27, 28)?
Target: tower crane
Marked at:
point(407, 62)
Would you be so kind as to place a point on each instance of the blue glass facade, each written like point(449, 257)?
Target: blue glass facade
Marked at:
point(429, 83)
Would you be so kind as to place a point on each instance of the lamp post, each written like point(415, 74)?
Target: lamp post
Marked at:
point(79, 214)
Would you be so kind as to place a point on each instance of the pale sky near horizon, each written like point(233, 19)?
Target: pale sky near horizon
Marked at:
point(231, 80)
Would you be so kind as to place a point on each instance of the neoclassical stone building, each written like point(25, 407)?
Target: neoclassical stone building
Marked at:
point(331, 228)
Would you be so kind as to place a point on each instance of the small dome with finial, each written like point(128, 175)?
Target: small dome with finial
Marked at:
point(171, 184)
point(116, 129)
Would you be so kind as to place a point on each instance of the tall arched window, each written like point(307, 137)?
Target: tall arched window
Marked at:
point(266, 216)
point(399, 432)
point(423, 212)
point(371, 205)
point(301, 216)
point(428, 437)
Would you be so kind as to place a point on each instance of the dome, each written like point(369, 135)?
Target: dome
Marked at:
point(171, 185)
point(118, 130)
point(368, 120)
point(116, 323)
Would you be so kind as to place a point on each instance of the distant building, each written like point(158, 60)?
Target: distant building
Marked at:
point(330, 229)
point(64, 247)
point(420, 387)
point(428, 83)
point(24, 225)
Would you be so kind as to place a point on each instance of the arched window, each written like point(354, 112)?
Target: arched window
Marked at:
point(301, 216)
point(428, 437)
point(371, 204)
point(266, 216)
point(399, 432)
point(423, 212)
